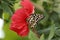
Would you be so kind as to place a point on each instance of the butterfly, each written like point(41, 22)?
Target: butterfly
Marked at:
point(34, 18)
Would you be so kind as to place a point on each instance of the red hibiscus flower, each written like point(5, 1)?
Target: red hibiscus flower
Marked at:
point(19, 23)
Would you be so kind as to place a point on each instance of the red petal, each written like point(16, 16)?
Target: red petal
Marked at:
point(28, 6)
point(24, 31)
point(19, 15)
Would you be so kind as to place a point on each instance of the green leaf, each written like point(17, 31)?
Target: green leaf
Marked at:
point(58, 32)
point(40, 2)
point(57, 6)
point(55, 16)
point(6, 16)
point(42, 37)
point(16, 5)
point(6, 8)
point(35, 1)
point(32, 36)
point(52, 31)
point(1, 12)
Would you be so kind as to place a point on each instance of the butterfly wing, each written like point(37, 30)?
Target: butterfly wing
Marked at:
point(34, 18)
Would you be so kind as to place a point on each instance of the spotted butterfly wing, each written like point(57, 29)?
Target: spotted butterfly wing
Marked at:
point(33, 19)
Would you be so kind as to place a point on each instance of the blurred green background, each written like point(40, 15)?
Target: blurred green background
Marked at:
point(48, 28)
